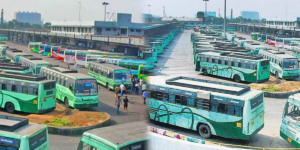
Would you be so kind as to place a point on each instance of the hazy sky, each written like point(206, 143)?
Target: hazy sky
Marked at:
point(58, 10)
point(269, 9)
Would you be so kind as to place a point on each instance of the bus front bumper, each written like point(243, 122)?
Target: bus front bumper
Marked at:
point(290, 140)
point(248, 137)
point(43, 111)
point(85, 105)
point(290, 77)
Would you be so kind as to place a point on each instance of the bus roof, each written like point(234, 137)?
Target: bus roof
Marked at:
point(236, 91)
point(232, 55)
point(107, 66)
point(277, 54)
point(5, 67)
point(104, 52)
point(121, 134)
point(28, 57)
point(18, 126)
point(40, 62)
point(69, 73)
point(22, 77)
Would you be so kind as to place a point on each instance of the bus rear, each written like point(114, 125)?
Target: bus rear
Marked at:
point(122, 76)
point(263, 71)
point(70, 56)
point(41, 48)
point(61, 53)
point(54, 51)
point(253, 115)
point(47, 50)
point(46, 97)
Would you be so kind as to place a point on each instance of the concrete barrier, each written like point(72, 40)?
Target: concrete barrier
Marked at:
point(76, 130)
point(280, 94)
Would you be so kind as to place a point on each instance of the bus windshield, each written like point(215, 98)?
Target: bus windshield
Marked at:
point(47, 49)
point(123, 76)
point(86, 87)
point(293, 111)
point(290, 64)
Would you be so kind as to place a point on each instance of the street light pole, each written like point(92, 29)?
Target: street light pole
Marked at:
point(149, 8)
point(205, 14)
point(225, 19)
point(105, 4)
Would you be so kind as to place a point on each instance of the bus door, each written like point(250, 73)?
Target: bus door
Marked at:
point(47, 100)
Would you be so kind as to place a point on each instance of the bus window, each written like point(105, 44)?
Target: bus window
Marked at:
point(238, 111)
point(239, 64)
point(159, 96)
point(25, 90)
point(232, 64)
point(191, 102)
point(165, 97)
point(86, 87)
point(213, 61)
point(184, 101)
point(3, 86)
point(221, 108)
point(177, 99)
point(219, 62)
point(230, 110)
point(14, 88)
point(153, 94)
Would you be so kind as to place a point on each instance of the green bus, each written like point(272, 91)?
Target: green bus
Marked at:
point(34, 63)
point(11, 51)
point(15, 55)
point(254, 35)
point(34, 46)
point(128, 136)
point(290, 121)
point(296, 52)
point(15, 69)
point(209, 107)
point(281, 65)
point(235, 66)
point(18, 134)
point(110, 75)
point(254, 47)
point(26, 93)
point(76, 90)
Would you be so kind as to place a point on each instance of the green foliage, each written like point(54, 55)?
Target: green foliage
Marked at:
point(200, 14)
point(271, 88)
point(58, 122)
point(14, 24)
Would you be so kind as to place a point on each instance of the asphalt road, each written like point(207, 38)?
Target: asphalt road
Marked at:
point(136, 108)
point(178, 61)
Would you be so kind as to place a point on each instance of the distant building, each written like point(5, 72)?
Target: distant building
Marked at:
point(284, 23)
point(211, 13)
point(253, 15)
point(29, 17)
point(147, 18)
point(122, 27)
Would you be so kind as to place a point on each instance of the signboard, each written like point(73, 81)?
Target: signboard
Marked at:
point(10, 142)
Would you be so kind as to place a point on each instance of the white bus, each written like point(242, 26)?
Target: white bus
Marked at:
point(281, 65)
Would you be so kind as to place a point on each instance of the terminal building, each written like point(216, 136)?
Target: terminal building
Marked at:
point(123, 27)
point(284, 23)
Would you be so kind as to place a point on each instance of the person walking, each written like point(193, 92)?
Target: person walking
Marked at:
point(143, 88)
point(117, 91)
point(132, 84)
point(125, 101)
point(141, 81)
point(145, 94)
point(136, 80)
point(75, 65)
point(118, 104)
point(122, 87)
point(136, 87)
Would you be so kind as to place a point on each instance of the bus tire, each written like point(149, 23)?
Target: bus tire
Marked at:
point(276, 75)
point(204, 131)
point(237, 78)
point(204, 71)
point(66, 101)
point(10, 107)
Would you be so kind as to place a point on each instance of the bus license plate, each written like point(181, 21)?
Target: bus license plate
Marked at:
point(289, 140)
point(87, 105)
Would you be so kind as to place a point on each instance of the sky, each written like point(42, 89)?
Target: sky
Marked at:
point(269, 9)
point(59, 10)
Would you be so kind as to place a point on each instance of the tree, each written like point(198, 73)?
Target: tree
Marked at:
point(47, 25)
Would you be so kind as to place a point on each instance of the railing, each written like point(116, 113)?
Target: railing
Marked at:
point(140, 41)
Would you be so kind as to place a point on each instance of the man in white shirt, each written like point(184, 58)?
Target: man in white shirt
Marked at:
point(122, 89)
point(143, 88)
point(75, 65)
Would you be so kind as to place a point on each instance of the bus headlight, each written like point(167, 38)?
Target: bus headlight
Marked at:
point(35, 101)
point(53, 96)
point(254, 74)
point(252, 123)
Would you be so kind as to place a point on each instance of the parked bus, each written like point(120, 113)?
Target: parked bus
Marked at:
point(18, 134)
point(290, 120)
point(15, 55)
point(132, 64)
point(93, 57)
point(158, 46)
point(34, 46)
point(128, 136)
point(15, 69)
point(47, 50)
point(26, 93)
point(233, 66)
point(296, 52)
point(254, 47)
point(3, 50)
point(76, 90)
point(254, 35)
point(61, 53)
point(54, 51)
point(70, 56)
point(214, 110)
point(110, 75)
point(281, 65)
point(4, 60)
point(12, 51)
point(34, 63)
point(40, 49)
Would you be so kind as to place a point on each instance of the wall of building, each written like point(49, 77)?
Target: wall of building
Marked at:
point(28, 17)
point(250, 15)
